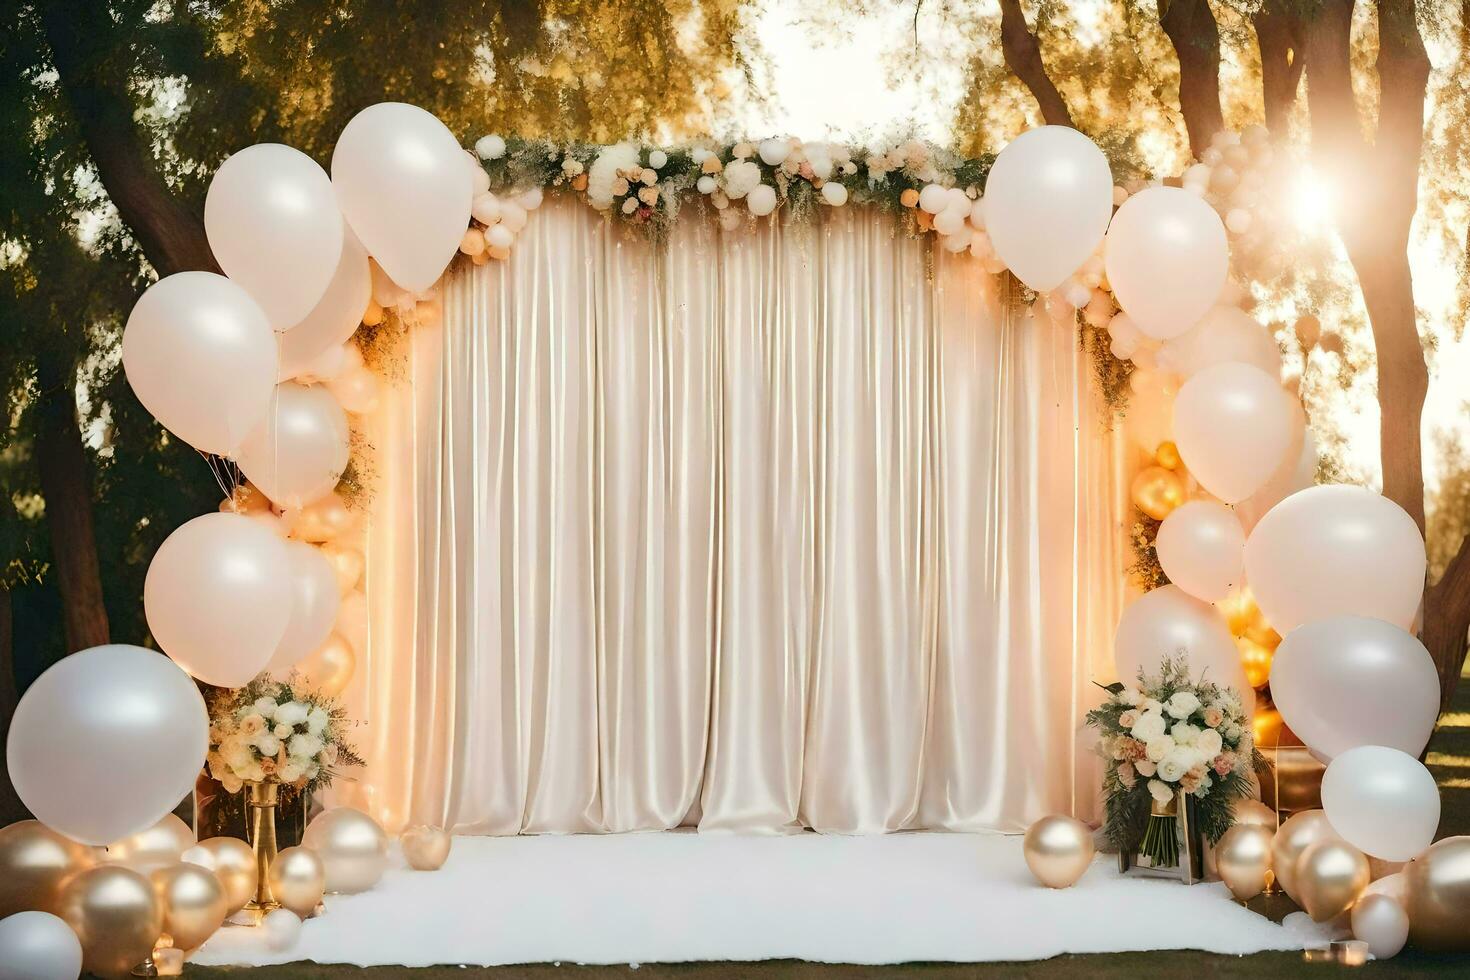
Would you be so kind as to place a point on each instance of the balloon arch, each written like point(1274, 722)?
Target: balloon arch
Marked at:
point(259, 366)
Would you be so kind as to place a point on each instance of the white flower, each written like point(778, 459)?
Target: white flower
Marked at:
point(316, 721)
point(290, 772)
point(819, 155)
point(1176, 763)
point(1182, 704)
point(265, 707)
point(1160, 791)
point(303, 746)
point(1151, 704)
point(1209, 743)
point(657, 159)
point(1149, 726)
point(604, 172)
point(1184, 734)
point(292, 713)
point(235, 753)
point(1130, 696)
point(705, 184)
point(699, 154)
point(281, 731)
point(490, 147)
point(267, 744)
point(741, 177)
point(1159, 747)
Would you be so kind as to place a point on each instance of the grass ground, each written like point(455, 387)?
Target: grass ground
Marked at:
point(1449, 759)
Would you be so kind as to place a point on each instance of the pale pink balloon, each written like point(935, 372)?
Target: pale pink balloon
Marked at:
point(1382, 801)
point(1201, 548)
point(1168, 622)
point(1234, 426)
point(356, 390)
point(1297, 473)
point(402, 183)
point(201, 358)
point(336, 315)
point(1047, 202)
point(1225, 334)
point(299, 451)
point(1166, 258)
point(217, 597)
point(274, 228)
point(1336, 550)
point(1351, 680)
point(315, 602)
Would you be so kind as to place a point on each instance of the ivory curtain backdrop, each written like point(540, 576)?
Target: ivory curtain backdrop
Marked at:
point(810, 526)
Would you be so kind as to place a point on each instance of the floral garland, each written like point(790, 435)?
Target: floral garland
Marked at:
point(1169, 733)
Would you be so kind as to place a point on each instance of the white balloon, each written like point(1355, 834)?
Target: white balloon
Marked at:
point(1234, 426)
point(1167, 257)
point(274, 228)
point(933, 198)
point(1381, 801)
point(761, 200)
point(282, 929)
point(1201, 548)
point(834, 194)
point(1225, 334)
point(1382, 923)
point(299, 451)
point(1348, 681)
point(315, 599)
point(217, 597)
point(1295, 473)
point(201, 357)
point(1166, 623)
point(402, 184)
point(1048, 199)
point(1336, 550)
point(336, 315)
point(38, 946)
point(107, 741)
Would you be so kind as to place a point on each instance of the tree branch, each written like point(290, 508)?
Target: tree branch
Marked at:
point(1195, 36)
point(1278, 34)
point(1023, 57)
point(84, 48)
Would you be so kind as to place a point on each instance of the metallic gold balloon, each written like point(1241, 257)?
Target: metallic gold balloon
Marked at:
point(157, 847)
point(298, 880)
point(1382, 923)
point(34, 862)
point(1167, 455)
point(1247, 811)
point(426, 848)
point(115, 915)
point(233, 862)
point(1298, 833)
point(321, 520)
point(1243, 857)
point(1256, 660)
point(347, 562)
point(193, 901)
point(1157, 491)
point(1437, 884)
point(1058, 850)
point(1329, 876)
point(330, 668)
point(352, 846)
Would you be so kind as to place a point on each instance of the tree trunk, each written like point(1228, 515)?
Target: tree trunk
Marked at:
point(67, 489)
point(1196, 39)
point(1278, 35)
point(1023, 57)
point(11, 808)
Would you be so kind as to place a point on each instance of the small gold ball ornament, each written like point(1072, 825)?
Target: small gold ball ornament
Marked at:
point(1058, 850)
point(425, 848)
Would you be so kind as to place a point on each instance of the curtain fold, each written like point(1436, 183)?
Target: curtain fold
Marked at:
point(802, 526)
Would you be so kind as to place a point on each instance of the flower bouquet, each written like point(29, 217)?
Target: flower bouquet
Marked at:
point(1167, 740)
point(271, 731)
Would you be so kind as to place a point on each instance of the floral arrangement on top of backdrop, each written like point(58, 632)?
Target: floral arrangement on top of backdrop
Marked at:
point(271, 730)
point(1165, 734)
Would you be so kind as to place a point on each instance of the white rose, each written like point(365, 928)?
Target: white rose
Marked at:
point(267, 744)
point(741, 177)
point(316, 721)
point(1159, 747)
point(1209, 743)
point(1130, 696)
point(281, 731)
point(303, 746)
point(264, 707)
point(1151, 704)
point(604, 172)
point(292, 713)
point(290, 772)
point(1182, 704)
point(1176, 763)
point(1184, 734)
point(1148, 727)
point(1160, 791)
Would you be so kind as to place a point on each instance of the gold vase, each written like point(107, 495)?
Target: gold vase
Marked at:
point(260, 825)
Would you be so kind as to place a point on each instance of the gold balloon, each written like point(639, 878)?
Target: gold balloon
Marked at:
point(1298, 833)
point(34, 862)
point(1058, 850)
point(352, 846)
point(1255, 812)
point(1243, 857)
point(157, 847)
point(246, 499)
point(1329, 877)
point(298, 880)
point(115, 915)
point(1437, 885)
point(193, 902)
point(233, 862)
point(425, 847)
point(1256, 660)
point(330, 667)
point(1167, 455)
point(347, 562)
point(1157, 491)
point(321, 520)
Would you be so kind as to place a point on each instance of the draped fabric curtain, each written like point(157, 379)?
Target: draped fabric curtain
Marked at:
point(803, 526)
